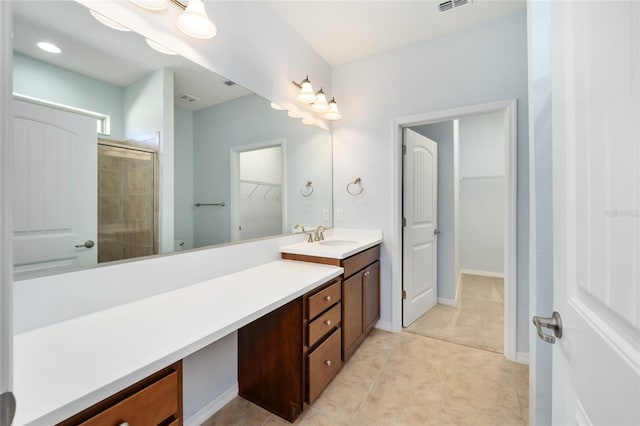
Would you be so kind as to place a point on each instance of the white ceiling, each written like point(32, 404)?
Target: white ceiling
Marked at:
point(344, 31)
point(340, 31)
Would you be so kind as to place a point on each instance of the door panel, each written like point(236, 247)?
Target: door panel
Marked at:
point(596, 154)
point(420, 211)
point(55, 188)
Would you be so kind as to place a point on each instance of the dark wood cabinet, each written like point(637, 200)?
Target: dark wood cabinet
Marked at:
point(156, 400)
point(288, 356)
point(360, 294)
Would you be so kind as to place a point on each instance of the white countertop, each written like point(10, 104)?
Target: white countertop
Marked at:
point(61, 369)
point(338, 244)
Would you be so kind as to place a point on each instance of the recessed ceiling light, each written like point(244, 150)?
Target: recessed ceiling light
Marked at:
point(48, 47)
point(159, 48)
point(108, 22)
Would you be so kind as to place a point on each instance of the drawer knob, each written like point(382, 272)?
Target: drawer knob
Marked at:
point(124, 424)
point(327, 298)
point(328, 322)
point(366, 274)
point(328, 363)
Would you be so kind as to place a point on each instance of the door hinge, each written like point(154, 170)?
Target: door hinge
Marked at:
point(404, 149)
point(404, 294)
point(7, 408)
point(404, 222)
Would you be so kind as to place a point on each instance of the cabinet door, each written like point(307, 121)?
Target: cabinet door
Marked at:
point(352, 314)
point(371, 285)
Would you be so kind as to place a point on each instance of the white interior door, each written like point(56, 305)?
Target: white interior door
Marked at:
point(420, 210)
point(596, 183)
point(54, 188)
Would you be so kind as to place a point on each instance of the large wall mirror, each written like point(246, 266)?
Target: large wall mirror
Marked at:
point(121, 151)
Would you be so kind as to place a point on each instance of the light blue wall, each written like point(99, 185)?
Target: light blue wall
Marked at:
point(542, 197)
point(442, 133)
point(476, 65)
point(183, 182)
point(249, 120)
point(41, 80)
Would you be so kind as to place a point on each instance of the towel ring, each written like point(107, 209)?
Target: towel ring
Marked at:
point(309, 191)
point(358, 181)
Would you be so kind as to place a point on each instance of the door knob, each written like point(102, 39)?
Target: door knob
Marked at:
point(554, 323)
point(86, 244)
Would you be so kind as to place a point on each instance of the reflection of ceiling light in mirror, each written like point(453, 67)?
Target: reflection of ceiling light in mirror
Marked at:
point(159, 48)
point(276, 106)
point(320, 104)
point(194, 21)
point(293, 114)
point(108, 22)
point(307, 121)
point(333, 113)
point(151, 4)
point(48, 47)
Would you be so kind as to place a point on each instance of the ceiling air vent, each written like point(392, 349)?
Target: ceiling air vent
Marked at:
point(450, 4)
point(188, 98)
point(445, 5)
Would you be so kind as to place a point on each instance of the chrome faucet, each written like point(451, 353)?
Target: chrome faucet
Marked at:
point(319, 233)
point(298, 226)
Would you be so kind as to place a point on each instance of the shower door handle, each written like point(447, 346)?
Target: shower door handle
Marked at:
point(86, 244)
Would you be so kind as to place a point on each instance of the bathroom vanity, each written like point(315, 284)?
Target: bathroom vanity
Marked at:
point(287, 357)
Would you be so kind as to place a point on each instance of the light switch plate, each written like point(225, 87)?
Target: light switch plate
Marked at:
point(325, 214)
point(339, 215)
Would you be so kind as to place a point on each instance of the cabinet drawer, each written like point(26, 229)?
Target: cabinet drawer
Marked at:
point(324, 324)
point(358, 261)
point(324, 362)
point(323, 299)
point(150, 406)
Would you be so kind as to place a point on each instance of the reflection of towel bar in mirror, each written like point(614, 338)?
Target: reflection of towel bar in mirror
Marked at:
point(309, 189)
point(222, 204)
point(358, 181)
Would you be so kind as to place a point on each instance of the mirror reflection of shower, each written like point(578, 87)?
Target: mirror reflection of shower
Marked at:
point(127, 202)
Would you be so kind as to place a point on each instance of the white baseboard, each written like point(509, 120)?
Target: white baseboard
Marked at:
point(482, 273)
point(522, 357)
point(384, 325)
point(448, 302)
point(212, 407)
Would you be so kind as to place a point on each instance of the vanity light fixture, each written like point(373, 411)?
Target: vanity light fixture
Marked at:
point(195, 23)
point(48, 47)
point(154, 5)
point(320, 104)
point(108, 22)
point(306, 95)
point(333, 113)
point(277, 107)
point(159, 48)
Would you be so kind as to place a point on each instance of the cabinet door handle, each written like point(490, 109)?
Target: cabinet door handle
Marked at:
point(328, 363)
point(124, 424)
point(366, 274)
point(327, 298)
point(328, 322)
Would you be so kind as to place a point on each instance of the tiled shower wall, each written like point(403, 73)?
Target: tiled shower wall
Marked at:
point(126, 207)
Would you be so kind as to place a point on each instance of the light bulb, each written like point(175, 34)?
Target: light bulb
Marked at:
point(306, 94)
point(195, 23)
point(320, 105)
point(333, 113)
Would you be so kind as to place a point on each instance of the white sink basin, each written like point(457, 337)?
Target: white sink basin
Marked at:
point(337, 242)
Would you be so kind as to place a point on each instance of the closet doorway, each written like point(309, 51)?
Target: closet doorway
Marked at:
point(476, 213)
point(257, 176)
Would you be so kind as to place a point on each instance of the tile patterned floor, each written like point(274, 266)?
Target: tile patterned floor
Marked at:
point(477, 321)
point(408, 379)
